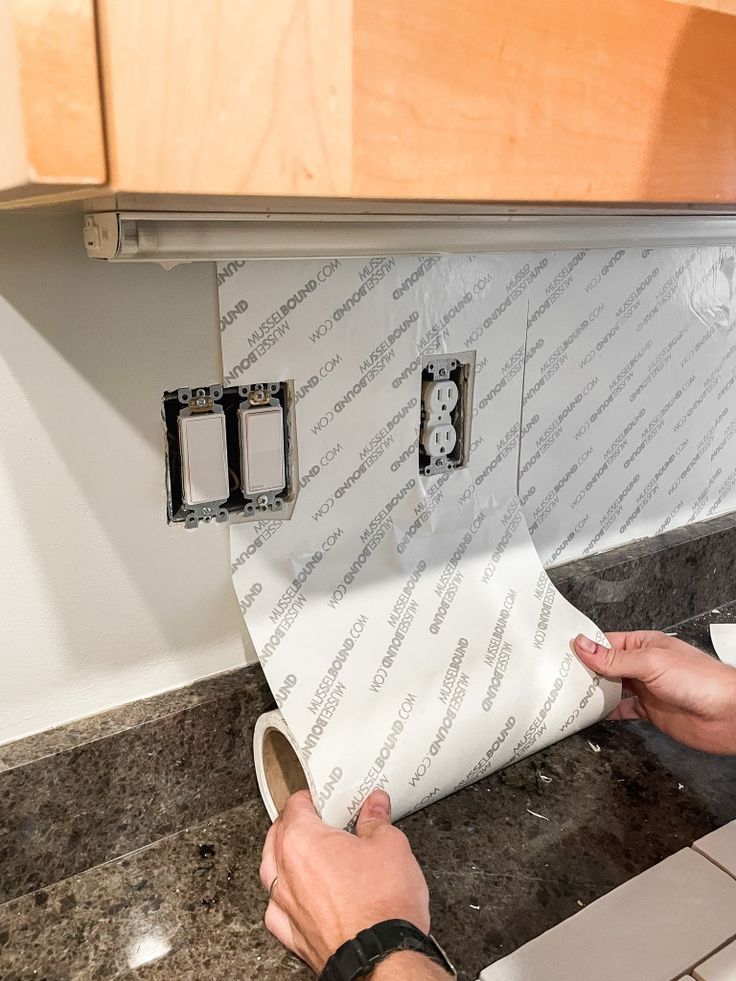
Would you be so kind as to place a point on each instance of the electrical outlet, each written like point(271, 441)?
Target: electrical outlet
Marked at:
point(439, 397)
point(447, 402)
point(439, 440)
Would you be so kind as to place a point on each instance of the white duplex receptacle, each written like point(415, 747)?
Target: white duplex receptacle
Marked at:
point(447, 398)
point(438, 434)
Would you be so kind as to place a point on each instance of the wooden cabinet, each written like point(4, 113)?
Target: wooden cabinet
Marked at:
point(542, 101)
point(51, 135)
point(545, 100)
point(228, 96)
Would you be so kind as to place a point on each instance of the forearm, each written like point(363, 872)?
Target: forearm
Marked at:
point(731, 739)
point(407, 966)
point(716, 732)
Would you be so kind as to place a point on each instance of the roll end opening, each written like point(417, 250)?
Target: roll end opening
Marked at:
point(281, 767)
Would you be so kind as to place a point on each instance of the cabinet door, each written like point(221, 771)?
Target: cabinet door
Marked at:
point(51, 135)
point(228, 96)
point(544, 100)
point(568, 101)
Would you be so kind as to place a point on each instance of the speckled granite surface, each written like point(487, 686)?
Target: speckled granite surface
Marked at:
point(190, 906)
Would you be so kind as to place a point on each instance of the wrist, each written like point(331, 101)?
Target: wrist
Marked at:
point(368, 951)
point(408, 965)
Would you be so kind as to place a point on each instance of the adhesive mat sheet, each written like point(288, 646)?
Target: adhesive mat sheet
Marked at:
point(629, 405)
point(406, 625)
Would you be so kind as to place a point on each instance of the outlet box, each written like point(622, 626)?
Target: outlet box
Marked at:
point(447, 411)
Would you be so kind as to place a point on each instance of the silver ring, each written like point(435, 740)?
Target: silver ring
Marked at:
point(272, 886)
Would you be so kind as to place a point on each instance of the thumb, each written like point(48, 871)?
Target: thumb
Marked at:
point(374, 814)
point(612, 662)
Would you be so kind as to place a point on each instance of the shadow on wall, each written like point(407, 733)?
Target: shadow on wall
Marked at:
point(126, 329)
point(108, 594)
point(703, 66)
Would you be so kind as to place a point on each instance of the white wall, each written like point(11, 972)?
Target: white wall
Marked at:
point(100, 601)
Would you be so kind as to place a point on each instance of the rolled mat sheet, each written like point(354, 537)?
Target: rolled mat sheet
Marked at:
point(406, 625)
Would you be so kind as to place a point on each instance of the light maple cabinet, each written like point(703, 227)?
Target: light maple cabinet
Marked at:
point(562, 101)
point(51, 133)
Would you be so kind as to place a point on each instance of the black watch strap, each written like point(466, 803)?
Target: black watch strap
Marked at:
point(358, 957)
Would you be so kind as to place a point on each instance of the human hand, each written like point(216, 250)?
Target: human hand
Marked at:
point(681, 690)
point(332, 884)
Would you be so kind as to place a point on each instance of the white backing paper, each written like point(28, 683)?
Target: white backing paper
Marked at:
point(407, 628)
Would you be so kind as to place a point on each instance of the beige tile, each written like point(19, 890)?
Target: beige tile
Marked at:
point(653, 927)
point(720, 847)
point(719, 967)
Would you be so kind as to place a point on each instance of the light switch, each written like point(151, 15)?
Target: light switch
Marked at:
point(204, 471)
point(262, 449)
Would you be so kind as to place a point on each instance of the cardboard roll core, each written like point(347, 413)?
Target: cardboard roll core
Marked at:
point(282, 770)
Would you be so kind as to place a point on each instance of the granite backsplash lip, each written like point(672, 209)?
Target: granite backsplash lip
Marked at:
point(88, 792)
point(131, 715)
point(645, 547)
point(683, 573)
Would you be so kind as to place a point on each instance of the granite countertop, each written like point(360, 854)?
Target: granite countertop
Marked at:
point(505, 860)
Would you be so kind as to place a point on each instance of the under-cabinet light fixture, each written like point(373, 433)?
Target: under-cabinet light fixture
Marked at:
point(175, 237)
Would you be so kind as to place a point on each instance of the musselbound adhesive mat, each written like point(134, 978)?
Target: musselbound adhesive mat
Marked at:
point(405, 624)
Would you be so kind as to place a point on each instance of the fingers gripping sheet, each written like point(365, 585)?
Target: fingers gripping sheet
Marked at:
point(406, 625)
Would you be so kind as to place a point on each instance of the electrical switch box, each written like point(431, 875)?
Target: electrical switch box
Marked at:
point(231, 453)
point(446, 412)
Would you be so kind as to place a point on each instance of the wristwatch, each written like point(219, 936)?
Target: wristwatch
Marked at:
point(358, 957)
